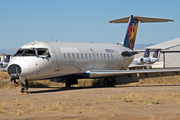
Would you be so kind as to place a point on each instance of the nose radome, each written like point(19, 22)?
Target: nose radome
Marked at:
point(14, 70)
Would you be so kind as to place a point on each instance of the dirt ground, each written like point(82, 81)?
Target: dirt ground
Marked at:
point(159, 102)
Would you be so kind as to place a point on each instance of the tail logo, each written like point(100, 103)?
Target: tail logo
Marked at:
point(131, 35)
point(155, 55)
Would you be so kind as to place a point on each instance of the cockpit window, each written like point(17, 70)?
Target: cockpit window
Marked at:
point(29, 52)
point(41, 52)
point(26, 52)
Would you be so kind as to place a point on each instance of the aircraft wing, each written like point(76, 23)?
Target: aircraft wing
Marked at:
point(3, 69)
point(141, 73)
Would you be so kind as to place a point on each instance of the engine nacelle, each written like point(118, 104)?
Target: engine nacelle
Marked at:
point(153, 60)
point(3, 64)
point(144, 60)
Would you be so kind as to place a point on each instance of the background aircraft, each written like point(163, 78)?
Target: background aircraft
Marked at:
point(144, 61)
point(68, 61)
point(5, 62)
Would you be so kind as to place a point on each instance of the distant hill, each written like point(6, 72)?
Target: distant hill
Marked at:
point(9, 51)
point(140, 46)
point(14, 50)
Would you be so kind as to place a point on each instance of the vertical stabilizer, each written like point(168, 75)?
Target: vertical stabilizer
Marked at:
point(155, 55)
point(7, 58)
point(146, 53)
point(130, 35)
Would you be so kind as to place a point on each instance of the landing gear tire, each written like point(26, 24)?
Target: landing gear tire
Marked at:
point(109, 83)
point(68, 83)
point(22, 90)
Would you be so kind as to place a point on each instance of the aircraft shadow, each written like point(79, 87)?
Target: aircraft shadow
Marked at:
point(58, 89)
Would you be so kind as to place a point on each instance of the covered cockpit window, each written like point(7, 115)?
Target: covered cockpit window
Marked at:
point(43, 52)
point(26, 52)
point(39, 52)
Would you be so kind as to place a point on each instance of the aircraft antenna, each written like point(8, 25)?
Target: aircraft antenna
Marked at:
point(50, 39)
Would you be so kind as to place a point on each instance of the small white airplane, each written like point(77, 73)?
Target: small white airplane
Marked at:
point(145, 60)
point(154, 58)
point(69, 61)
point(5, 61)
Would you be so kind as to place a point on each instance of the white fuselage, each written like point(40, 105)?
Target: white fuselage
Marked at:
point(67, 58)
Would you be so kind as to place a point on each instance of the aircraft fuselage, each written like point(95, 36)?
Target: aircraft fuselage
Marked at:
point(45, 60)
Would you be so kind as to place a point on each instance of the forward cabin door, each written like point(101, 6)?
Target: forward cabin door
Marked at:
point(57, 55)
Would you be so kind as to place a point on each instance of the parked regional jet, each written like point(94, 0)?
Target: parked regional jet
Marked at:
point(154, 58)
point(141, 60)
point(69, 61)
point(145, 60)
point(5, 61)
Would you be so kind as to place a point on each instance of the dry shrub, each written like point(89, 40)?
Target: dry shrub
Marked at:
point(1, 109)
point(44, 84)
point(38, 84)
point(18, 102)
point(6, 84)
point(90, 82)
point(84, 82)
point(168, 80)
point(4, 75)
point(19, 112)
point(55, 107)
point(145, 98)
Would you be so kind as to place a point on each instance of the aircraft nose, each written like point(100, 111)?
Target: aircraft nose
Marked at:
point(14, 70)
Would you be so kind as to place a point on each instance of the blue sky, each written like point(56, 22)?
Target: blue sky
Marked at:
point(23, 21)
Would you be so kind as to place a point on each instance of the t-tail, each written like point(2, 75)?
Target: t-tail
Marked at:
point(146, 53)
point(7, 58)
point(155, 57)
point(130, 35)
point(155, 54)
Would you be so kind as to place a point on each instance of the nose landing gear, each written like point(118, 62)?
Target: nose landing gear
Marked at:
point(25, 86)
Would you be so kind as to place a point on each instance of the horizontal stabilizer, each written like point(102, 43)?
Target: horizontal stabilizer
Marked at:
point(141, 19)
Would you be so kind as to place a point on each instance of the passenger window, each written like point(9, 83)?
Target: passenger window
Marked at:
point(86, 56)
point(104, 55)
point(107, 55)
point(64, 56)
point(81, 55)
point(89, 55)
point(73, 55)
point(68, 55)
point(77, 56)
point(111, 55)
point(93, 55)
point(97, 55)
point(101, 56)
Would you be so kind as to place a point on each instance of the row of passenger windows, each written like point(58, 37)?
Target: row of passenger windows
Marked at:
point(86, 56)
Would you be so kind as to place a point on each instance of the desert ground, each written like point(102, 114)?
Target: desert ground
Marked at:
point(133, 101)
point(99, 103)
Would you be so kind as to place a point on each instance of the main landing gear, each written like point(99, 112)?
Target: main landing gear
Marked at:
point(70, 82)
point(110, 81)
